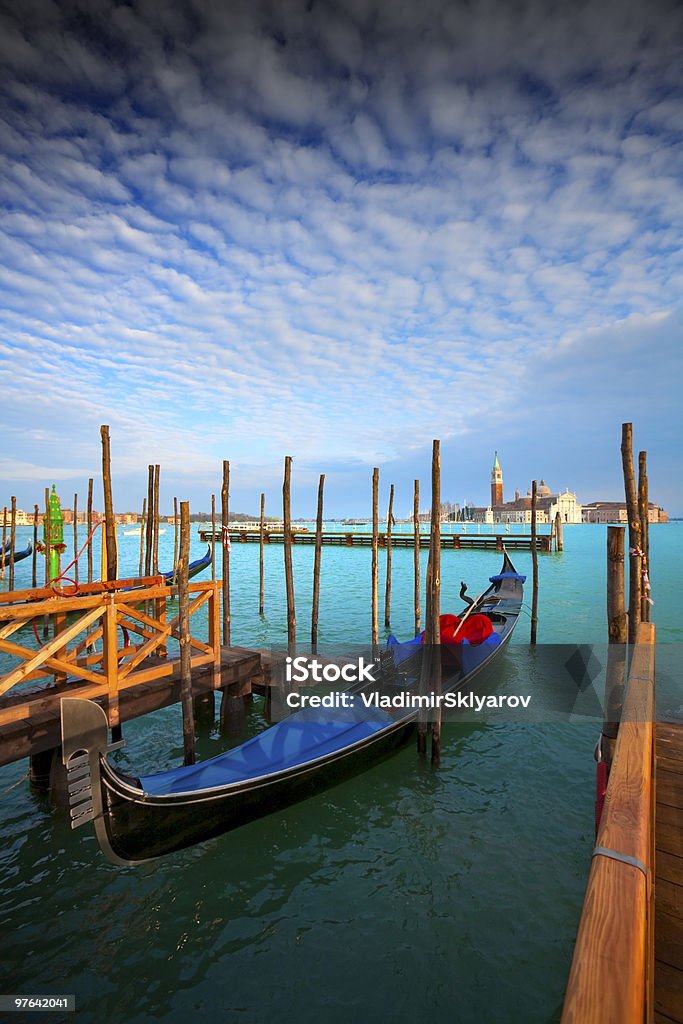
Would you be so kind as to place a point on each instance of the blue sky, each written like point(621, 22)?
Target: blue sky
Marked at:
point(336, 231)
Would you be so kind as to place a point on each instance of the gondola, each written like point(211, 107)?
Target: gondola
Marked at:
point(194, 567)
point(138, 819)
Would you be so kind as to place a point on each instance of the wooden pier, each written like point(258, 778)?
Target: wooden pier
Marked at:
point(108, 642)
point(628, 959)
point(351, 539)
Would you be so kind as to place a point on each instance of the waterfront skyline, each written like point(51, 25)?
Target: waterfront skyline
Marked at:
point(337, 232)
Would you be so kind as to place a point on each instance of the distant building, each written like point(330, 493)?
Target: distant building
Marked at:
point(548, 504)
point(615, 512)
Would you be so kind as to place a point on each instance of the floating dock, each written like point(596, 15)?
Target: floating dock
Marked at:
point(352, 539)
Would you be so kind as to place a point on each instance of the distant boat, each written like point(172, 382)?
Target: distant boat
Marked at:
point(137, 530)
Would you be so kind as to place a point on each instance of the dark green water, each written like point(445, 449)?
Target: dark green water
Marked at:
point(406, 893)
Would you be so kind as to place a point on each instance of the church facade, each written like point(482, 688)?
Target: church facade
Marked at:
point(548, 504)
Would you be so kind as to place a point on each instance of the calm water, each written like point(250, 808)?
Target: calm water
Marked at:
point(405, 892)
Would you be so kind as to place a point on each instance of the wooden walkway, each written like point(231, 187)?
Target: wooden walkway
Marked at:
point(349, 539)
point(627, 966)
point(669, 874)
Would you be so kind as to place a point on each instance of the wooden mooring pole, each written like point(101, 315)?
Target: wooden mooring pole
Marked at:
point(534, 564)
point(75, 576)
point(184, 634)
point(558, 532)
point(4, 540)
point(289, 574)
point(34, 557)
point(12, 540)
point(225, 547)
point(416, 554)
point(375, 557)
point(213, 536)
point(89, 525)
point(643, 512)
point(634, 539)
point(387, 591)
point(149, 527)
point(262, 530)
point(109, 523)
point(155, 549)
point(176, 531)
point(617, 635)
point(435, 632)
point(316, 563)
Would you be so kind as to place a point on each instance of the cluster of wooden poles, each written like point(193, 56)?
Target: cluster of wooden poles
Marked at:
point(622, 625)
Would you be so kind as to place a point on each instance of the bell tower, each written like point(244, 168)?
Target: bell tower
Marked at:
point(496, 483)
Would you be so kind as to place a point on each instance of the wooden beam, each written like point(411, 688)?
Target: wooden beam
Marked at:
point(634, 538)
point(534, 565)
point(375, 557)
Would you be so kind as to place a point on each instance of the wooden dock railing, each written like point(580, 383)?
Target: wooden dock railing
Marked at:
point(612, 972)
point(89, 651)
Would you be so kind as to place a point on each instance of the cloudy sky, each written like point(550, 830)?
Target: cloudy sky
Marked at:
point(337, 230)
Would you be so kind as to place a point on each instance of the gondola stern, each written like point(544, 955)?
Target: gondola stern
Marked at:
point(84, 745)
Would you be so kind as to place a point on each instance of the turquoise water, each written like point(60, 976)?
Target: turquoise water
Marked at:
point(404, 892)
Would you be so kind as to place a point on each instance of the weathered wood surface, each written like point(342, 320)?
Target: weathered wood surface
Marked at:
point(669, 874)
point(316, 562)
point(289, 571)
point(534, 565)
point(634, 533)
point(239, 667)
point(612, 967)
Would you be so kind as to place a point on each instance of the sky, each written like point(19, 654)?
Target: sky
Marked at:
point(336, 231)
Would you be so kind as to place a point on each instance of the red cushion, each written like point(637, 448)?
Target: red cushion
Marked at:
point(475, 629)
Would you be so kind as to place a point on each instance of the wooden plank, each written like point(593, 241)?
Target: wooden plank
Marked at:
point(670, 868)
point(669, 788)
point(669, 939)
point(669, 896)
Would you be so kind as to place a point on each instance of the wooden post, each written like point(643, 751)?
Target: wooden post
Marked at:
point(109, 524)
point(435, 637)
point(534, 564)
point(617, 632)
point(184, 634)
point(143, 520)
point(75, 577)
point(213, 542)
point(46, 531)
point(427, 655)
point(387, 591)
point(12, 540)
point(316, 563)
point(375, 557)
point(149, 530)
point(89, 526)
point(634, 538)
point(34, 557)
point(289, 577)
point(643, 515)
point(225, 535)
point(4, 539)
point(416, 554)
point(558, 532)
point(155, 550)
point(176, 526)
point(262, 527)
